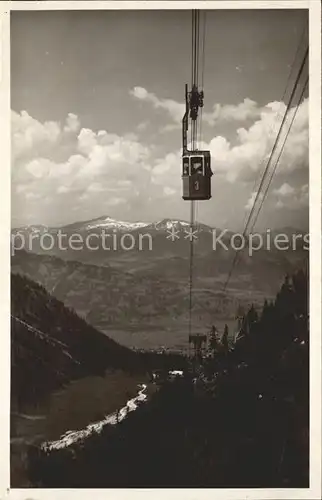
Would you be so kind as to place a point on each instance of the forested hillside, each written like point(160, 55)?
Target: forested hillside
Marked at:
point(50, 345)
point(242, 422)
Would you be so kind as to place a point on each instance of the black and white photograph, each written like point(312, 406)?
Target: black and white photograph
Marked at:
point(160, 248)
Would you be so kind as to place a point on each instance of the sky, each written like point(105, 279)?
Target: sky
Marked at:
point(97, 102)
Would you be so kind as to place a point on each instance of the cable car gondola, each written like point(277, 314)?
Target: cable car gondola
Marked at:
point(196, 175)
point(196, 165)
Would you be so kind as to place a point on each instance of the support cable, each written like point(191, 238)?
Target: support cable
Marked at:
point(280, 153)
point(277, 115)
point(269, 162)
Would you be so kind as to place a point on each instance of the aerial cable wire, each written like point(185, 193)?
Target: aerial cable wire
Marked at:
point(201, 73)
point(194, 72)
point(280, 153)
point(197, 72)
point(269, 161)
point(203, 50)
point(193, 75)
point(202, 70)
point(197, 48)
point(194, 205)
point(277, 114)
point(192, 49)
point(277, 137)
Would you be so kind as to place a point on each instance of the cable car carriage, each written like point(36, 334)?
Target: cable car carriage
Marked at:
point(196, 175)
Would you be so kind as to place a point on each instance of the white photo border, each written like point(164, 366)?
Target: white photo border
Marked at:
point(314, 491)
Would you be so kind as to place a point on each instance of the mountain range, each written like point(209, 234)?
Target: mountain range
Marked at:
point(109, 223)
point(140, 297)
point(107, 241)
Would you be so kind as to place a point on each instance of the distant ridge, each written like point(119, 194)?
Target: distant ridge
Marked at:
point(110, 223)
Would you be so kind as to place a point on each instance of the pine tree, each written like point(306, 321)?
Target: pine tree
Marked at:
point(264, 311)
point(213, 340)
point(251, 318)
point(224, 339)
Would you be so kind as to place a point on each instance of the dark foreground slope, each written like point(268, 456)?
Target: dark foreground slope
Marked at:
point(64, 373)
point(51, 345)
point(244, 423)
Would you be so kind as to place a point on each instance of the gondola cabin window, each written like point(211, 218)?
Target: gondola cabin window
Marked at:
point(186, 166)
point(197, 165)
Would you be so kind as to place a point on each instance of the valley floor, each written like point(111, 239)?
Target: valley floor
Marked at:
point(72, 408)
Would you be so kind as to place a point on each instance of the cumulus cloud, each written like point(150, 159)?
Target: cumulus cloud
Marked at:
point(141, 93)
point(248, 109)
point(243, 111)
point(87, 140)
point(167, 170)
point(97, 163)
point(28, 134)
point(173, 108)
point(50, 140)
point(284, 190)
point(100, 168)
point(250, 154)
point(103, 150)
point(289, 197)
point(252, 198)
point(304, 195)
point(285, 197)
point(72, 123)
point(246, 159)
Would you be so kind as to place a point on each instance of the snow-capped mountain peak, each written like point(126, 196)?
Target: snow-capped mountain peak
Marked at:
point(179, 225)
point(109, 223)
point(168, 224)
point(32, 228)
